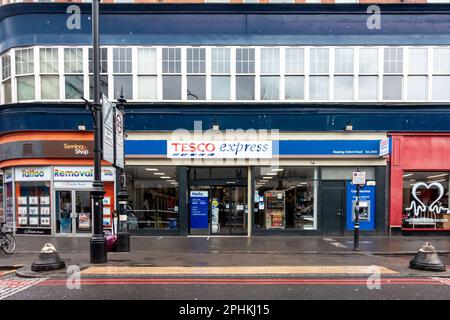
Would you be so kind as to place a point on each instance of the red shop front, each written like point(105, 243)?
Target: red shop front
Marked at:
point(420, 184)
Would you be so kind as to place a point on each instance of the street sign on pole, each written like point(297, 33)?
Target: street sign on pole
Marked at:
point(108, 130)
point(359, 178)
point(120, 161)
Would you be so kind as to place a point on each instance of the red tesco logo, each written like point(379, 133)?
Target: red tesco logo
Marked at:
point(193, 147)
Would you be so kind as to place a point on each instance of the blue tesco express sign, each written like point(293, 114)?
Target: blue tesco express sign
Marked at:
point(366, 201)
point(199, 209)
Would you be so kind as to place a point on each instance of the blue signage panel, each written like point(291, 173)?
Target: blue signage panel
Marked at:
point(336, 148)
point(366, 201)
point(199, 209)
point(330, 147)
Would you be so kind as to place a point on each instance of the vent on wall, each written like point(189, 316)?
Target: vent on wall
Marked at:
point(27, 149)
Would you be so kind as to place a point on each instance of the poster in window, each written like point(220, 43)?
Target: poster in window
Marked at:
point(22, 200)
point(84, 222)
point(106, 221)
point(23, 220)
point(106, 211)
point(45, 200)
point(45, 211)
point(34, 221)
point(34, 211)
point(107, 201)
point(34, 200)
point(45, 221)
point(23, 211)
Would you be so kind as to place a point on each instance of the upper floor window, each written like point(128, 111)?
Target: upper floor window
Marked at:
point(122, 68)
point(147, 73)
point(6, 79)
point(368, 61)
point(294, 80)
point(220, 74)
point(368, 74)
point(393, 60)
point(441, 61)
point(6, 66)
point(417, 74)
point(24, 61)
point(270, 69)
point(196, 73)
point(393, 64)
point(103, 60)
point(441, 74)
point(73, 60)
point(319, 60)
point(49, 68)
point(319, 83)
point(245, 68)
point(343, 69)
point(103, 72)
point(73, 73)
point(25, 74)
point(171, 68)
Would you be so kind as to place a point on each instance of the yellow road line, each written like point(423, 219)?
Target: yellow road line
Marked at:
point(232, 270)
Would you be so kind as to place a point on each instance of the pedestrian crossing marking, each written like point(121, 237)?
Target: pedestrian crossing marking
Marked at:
point(12, 285)
point(233, 270)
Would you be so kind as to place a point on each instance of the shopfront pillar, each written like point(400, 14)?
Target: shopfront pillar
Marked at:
point(183, 200)
point(250, 194)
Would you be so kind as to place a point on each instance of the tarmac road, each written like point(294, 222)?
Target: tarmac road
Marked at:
point(227, 288)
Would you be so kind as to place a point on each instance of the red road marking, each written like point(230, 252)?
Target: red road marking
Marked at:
point(239, 281)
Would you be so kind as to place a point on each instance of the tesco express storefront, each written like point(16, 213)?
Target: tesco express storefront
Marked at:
point(211, 184)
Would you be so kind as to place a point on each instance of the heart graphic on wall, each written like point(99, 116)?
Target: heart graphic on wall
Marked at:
point(422, 207)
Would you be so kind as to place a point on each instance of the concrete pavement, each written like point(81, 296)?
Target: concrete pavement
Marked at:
point(392, 253)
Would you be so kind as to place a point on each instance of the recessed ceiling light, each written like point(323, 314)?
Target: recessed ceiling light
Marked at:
point(408, 175)
point(165, 177)
point(159, 173)
point(277, 169)
point(437, 176)
point(151, 169)
point(272, 174)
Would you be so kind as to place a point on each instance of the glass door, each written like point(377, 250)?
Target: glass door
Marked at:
point(228, 209)
point(73, 212)
point(64, 209)
point(83, 212)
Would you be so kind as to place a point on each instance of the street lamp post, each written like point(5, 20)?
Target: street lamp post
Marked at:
point(97, 243)
point(123, 237)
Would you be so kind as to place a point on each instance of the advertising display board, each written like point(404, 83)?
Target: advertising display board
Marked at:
point(199, 209)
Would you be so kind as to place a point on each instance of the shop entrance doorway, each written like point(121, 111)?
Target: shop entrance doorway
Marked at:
point(218, 206)
point(73, 212)
point(333, 207)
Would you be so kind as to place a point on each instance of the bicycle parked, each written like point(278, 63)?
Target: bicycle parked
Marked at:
point(7, 240)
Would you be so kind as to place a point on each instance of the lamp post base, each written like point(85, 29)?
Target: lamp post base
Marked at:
point(98, 249)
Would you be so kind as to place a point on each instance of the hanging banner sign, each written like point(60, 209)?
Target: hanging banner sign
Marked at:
point(120, 161)
point(219, 149)
point(108, 130)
